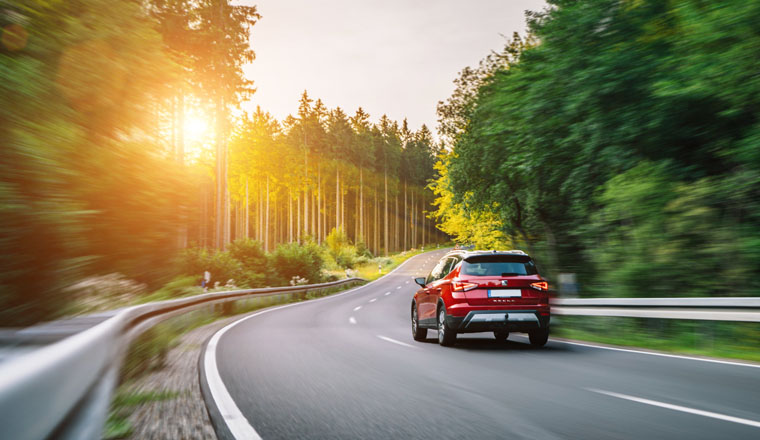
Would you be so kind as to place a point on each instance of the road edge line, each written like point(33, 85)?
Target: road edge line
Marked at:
point(237, 425)
point(654, 353)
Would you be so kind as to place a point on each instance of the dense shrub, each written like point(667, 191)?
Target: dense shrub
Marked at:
point(340, 249)
point(302, 260)
point(220, 265)
point(256, 267)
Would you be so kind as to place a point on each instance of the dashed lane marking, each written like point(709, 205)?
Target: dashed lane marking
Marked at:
point(357, 308)
point(680, 408)
point(393, 341)
point(352, 320)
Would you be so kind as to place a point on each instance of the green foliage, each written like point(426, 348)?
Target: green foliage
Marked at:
point(341, 251)
point(221, 265)
point(180, 286)
point(299, 260)
point(255, 265)
point(623, 147)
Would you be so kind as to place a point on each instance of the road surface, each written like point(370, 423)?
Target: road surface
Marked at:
point(347, 367)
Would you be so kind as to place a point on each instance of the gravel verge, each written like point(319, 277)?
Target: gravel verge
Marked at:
point(183, 416)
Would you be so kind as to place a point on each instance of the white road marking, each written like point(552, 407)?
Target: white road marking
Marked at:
point(373, 300)
point(653, 353)
point(398, 287)
point(357, 308)
point(352, 320)
point(387, 293)
point(233, 417)
point(698, 412)
point(393, 341)
point(407, 282)
point(236, 421)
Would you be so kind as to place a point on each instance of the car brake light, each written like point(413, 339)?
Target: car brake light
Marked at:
point(541, 285)
point(460, 286)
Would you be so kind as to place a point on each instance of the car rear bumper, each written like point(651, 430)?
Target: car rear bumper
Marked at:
point(503, 320)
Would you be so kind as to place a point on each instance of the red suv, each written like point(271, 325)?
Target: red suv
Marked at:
point(479, 291)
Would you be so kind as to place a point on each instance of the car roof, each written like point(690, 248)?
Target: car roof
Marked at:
point(466, 254)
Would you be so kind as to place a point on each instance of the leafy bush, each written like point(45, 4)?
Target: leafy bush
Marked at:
point(256, 268)
point(299, 260)
point(341, 251)
point(220, 265)
point(249, 253)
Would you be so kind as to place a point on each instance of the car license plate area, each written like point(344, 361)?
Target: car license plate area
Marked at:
point(505, 293)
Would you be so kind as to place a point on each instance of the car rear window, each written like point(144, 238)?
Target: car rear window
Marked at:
point(498, 265)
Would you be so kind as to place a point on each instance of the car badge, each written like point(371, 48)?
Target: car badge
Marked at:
point(504, 282)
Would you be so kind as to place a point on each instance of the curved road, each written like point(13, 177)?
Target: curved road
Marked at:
point(347, 367)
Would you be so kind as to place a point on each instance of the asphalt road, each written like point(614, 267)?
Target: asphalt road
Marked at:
point(347, 367)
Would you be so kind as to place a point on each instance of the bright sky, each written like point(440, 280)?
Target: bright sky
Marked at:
point(397, 57)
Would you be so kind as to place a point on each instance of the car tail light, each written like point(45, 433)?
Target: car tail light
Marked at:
point(541, 285)
point(463, 286)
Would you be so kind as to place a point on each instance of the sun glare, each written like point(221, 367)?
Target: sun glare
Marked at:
point(198, 133)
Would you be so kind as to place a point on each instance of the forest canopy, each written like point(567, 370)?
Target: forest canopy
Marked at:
point(618, 141)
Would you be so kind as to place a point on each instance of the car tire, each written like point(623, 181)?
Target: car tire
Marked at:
point(538, 338)
point(418, 333)
point(446, 335)
point(501, 335)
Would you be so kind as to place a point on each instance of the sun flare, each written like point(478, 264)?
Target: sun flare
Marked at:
point(198, 133)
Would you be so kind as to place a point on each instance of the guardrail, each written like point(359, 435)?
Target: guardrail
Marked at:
point(711, 309)
point(63, 390)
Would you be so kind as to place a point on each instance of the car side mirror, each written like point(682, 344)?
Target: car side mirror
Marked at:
point(420, 281)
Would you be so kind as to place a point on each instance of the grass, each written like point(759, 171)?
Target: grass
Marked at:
point(369, 271)
point(118, 425)
point(735, 340)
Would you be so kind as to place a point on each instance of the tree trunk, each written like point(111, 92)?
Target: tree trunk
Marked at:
point(246, 209)
point(361, 205)
point(406, 218)
point(266, 224)
point(385, 223)
point(337, 197)
point(395, 214)
point(298, 216)
point(413, 230)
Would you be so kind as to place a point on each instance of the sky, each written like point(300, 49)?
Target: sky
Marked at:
point(394, 57)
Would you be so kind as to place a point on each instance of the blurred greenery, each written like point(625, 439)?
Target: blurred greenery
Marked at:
point(97, 188)
point(704, 338)
point(89, 184)
point(618, 141)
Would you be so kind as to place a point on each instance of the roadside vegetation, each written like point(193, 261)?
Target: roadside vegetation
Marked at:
point(617, 141)
point(125, 145)
point(244, 266)
point(738, 340)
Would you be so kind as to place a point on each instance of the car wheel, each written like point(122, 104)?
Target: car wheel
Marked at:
point(418, 333)
point(538, 338)
point(446, 335)
point(501, 335)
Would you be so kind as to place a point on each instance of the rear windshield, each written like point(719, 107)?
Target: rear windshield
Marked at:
point(498, 265)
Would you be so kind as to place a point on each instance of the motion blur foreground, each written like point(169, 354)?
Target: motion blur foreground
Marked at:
point(617, 142)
